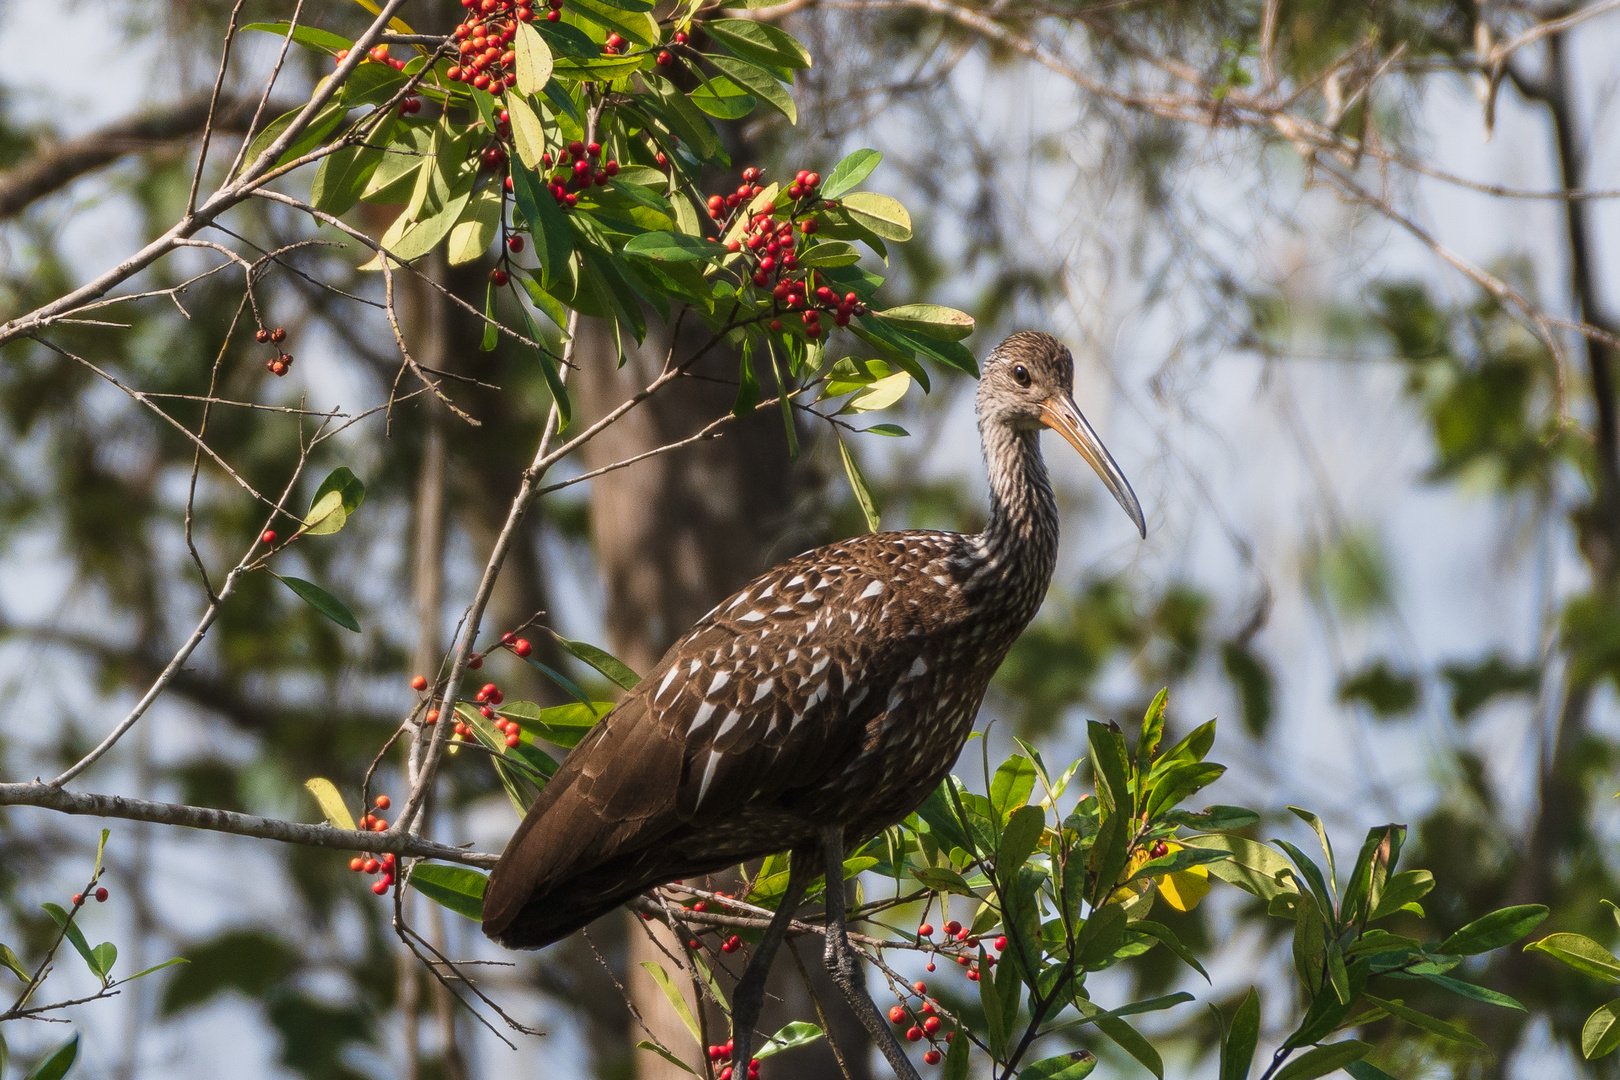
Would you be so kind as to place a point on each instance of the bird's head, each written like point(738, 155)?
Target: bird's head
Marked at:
point(1027, 384)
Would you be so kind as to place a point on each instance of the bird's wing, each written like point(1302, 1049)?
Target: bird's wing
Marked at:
point(762, 696)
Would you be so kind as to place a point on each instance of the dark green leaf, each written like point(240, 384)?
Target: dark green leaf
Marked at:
point(1253, 867)
point(748, 391)
point(106, 955)
point(1179, 781)
point(673, 247)
point(944, 879)
point(1581, 953)
point(550, 368)
point(758, 41)
point(848, 173)
point(1403, 889)
point(74, 935)
point(666, 1055)
point(459, 888)
point(306, 35)
point(1237, 1048)
point(956, 1060)
point(891, 430)
point(723, 99)
point(1075, 1065)
point(995, 1025)
point(1324, 1059)
point(1213, 818)
point(1100, 937)
point(1010, 788)
point(10, 961)
point(686, 119)
point(1019, 840)
point(757, 81)
point(883, 215)
point(1501, 927)
point(1477, 993)
point(930, 320)
point(343, 174)
point(553, 240)
point(1170, 941)
point(561, 680)
point(1112, 769)
point(1428, 1023)
point(1125, 1037)
point(863, 492)
point(1366, 1070)
point(492, 335)
point(320, 126)
point(57, 1063)
point(322, 601)
point(616, 670)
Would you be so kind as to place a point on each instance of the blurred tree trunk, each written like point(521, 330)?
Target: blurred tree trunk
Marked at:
point(674, 535)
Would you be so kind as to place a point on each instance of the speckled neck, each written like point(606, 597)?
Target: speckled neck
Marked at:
point(1019, 544)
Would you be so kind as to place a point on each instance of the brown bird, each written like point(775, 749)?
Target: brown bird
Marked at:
point(812, 709)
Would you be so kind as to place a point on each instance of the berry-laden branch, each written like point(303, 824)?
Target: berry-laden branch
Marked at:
point(87, 804)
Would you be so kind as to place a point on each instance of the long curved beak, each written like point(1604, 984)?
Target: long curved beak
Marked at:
point(1060, 413)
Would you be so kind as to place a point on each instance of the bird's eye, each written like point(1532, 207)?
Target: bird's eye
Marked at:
point(1021, 374)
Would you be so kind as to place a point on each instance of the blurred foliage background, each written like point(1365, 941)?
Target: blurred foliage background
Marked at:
point(1384, 516)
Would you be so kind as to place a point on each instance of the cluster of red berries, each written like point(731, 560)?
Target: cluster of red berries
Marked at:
point(580, 174)
point(377, 55)
point(962, 942)
point(665, 58)
point(366, 864)
point(922, 1024)
point(1159, 850)
point(410, 106)
point(486, 55)
point(278, 364)
point(771, 249)
point(100, 894)
point(722, 1052)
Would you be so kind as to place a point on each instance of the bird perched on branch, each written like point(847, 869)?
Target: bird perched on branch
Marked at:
point(812, 709)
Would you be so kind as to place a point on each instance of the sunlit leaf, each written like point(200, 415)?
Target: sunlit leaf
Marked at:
point(533, 68)
point(459, 888)
point(676, 1000)
point(331, 802)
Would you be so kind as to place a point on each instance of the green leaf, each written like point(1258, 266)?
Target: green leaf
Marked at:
point(1469, 990)
point(1109, 762)
point(533, 67)
point(723, 99)
point(1179, 781)
point(1010, 788)
point(1019, 840)
point(1124, 1036)
point(1402, 892)
point(492, 334)
point(528, 133)
point(550, 368)
point(343, 174)
point(560, 725)
point(759, 42)
point(1428, 1023)
point(609, 665)
point(320, 126)
point(956, 1060)
point(71, 930)
point(666, 1055)
point(1366, 1070)
point(1601, 1033)
point(994, 1022)
point(1075, 1065)
point(944, 879)
point(459, 888)
point(1237, 1047)
point(1100, 937)
point(629, 17)
point(880, 394)
point(13, 963)
point(748, 390)
point(857, 482)
point(553, 240)
point(829, 253)
point(1253, 867)
point(673, 247)
point(894, 431)
point(57, 1063)
point(882, 215)
point(757, 81)
point(1214, 818)
point(169, 963)
point(480, 221)
point(1581, 953)
point(676, 1000)
point(946, 324)
point(687, 120)
point(322, 601)
point(848, 173)
point(1170, 941)
point(560, 679)
point(1324, 1059)
point(305, 35)
point(798, 1033)
point(106, 955)
point(1147, 742)
point(1499, 928)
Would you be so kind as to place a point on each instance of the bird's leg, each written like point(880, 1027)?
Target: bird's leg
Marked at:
point(844, 965)
point(749, 996)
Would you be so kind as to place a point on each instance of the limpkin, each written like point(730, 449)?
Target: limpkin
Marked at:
point(810, 710)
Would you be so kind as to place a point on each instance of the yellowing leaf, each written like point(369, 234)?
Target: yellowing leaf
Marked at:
point(327, 515)
point(880, 395)
point(533, 60)
point(1183, 889)
point(331, 803)
point(527, 132)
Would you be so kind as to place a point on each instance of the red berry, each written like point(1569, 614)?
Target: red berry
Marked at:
point(807, 226)
point(920, 987)
point(432, 717)
point(931, 1024)
point(733, 245)
point(930, 965)
point(380, 887)
point(611, 168)
point(383, 802)
point(261, 336)
point(475, 661)
point(370, 866)
point(680, 37)
point(78, 898)
point(1001, 944)
point(487, 691)
point(953, 927)
point(379, 825)
point(800, 176)
point(914, 1034)
point(389, 859)
point(489, 713)
point(776, 324)
point(514, 242)
point(268, 536)
point(1160, 850)
point(931, 1058)
point(897, 1014)
point(419, 683)
point(522, 647)
point(500, 278)
point(357, 864)
point(513, 738)
point(812, 180)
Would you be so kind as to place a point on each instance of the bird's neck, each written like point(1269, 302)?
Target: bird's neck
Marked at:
point(1019, 545)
